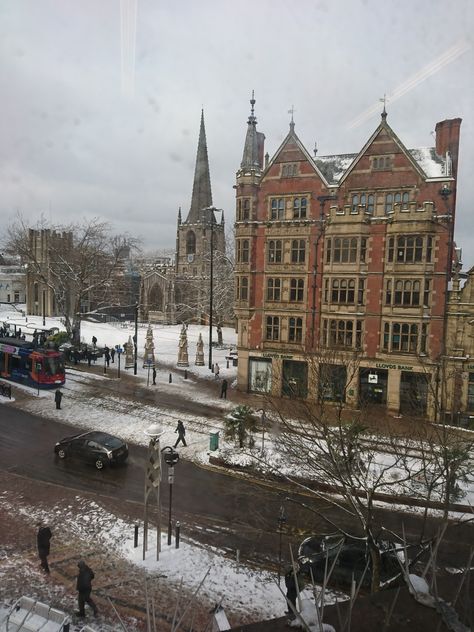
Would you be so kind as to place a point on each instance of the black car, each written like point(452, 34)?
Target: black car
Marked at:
point(351, 557)
point(95, 447)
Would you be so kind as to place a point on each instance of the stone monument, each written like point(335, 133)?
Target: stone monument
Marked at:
point(129, 353)
point(199, 352)
point(149, 355)
point(183, 348)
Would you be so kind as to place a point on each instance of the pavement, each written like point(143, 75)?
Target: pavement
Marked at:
point(117, 581)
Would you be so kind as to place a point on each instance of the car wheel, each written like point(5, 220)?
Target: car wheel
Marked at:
point(99, 464)
point(62, 453)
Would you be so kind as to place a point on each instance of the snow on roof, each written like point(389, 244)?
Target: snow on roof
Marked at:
point(433, 165)
point(334, 167)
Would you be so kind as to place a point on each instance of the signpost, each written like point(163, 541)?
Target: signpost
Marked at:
point(38, 371)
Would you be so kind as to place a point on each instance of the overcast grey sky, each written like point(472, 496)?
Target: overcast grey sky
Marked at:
point(74, 143)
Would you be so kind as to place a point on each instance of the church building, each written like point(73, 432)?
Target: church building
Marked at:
point(178, 291)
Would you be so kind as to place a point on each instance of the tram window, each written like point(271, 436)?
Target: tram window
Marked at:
point(51, 366)
point(15, 363)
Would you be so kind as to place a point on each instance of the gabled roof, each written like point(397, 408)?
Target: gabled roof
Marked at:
point(291, 136)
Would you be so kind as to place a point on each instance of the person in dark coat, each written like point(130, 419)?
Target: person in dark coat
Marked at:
point(291, 591)
point(84, 588)
point(57, 398)
point(224, 389)
point(181, 430)
point(43, 537)
point(107, 356)
point(112, 354)
point(94, 341)
point(154, 376)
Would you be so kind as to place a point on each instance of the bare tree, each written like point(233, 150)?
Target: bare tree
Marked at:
point(326, 441)
point(82, 264)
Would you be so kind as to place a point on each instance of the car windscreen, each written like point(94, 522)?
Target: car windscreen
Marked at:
point(110, 442)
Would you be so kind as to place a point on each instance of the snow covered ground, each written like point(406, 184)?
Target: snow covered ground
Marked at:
point(245, 588)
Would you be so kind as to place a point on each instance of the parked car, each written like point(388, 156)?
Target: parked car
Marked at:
point(99, 448)
point(351, 555)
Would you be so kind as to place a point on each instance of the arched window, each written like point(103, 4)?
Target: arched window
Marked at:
point(190, 243)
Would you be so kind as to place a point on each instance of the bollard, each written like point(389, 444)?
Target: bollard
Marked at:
point(185, 374)
point(170, 379)
point(212, 369)
point(227, 364)
point(237, 556)
point(178, 528)
point(135, 537)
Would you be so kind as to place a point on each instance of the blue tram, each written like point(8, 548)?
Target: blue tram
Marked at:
point(22, 361)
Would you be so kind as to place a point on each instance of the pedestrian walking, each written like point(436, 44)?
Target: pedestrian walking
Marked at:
point(291, 591)
point(107, 356)
point(154, 376)
point(89, 358)
point(293, 582)
point(43, 537)
point(94, 341)
point(224, 389)
point(84, 589)
point(216, 370)
point(112, 354)
point(57, 398)
point(181, 430)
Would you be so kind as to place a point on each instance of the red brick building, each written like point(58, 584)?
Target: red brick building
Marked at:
point(342, 268)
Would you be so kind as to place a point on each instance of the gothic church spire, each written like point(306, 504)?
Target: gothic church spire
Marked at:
point(202, 194)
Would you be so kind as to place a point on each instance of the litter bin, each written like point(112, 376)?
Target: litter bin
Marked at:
point(213, 441)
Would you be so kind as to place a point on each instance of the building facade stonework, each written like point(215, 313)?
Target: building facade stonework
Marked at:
point(342, 269)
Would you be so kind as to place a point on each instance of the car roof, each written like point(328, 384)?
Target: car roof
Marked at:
point(94, 435)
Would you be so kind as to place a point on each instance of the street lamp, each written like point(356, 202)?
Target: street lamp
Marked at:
point(171, 458)
point(263, 421)
point(119, 352)
point(135, 341)
point(152, 483)
point(211, 289)
point(281, 522)
point(44, 307)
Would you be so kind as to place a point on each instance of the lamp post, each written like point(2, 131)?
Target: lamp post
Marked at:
point(152, 483)
point(44, 307)
point(135, 341)
point(211, 275)
point(171, 458)
point(119, 352)
point(281, 522)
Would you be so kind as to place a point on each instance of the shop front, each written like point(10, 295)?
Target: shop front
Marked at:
point(373, 387)
point(413, 393)
point(260, 375)
point(294, 379)
point(332, 382)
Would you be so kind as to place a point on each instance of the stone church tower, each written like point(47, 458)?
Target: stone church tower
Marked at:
point(179, 291)
point(193, 243)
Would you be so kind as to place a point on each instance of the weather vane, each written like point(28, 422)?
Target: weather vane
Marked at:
point(292, 111)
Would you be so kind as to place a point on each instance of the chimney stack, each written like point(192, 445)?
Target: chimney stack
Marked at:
point(447, 139)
